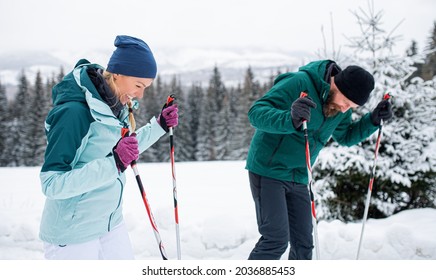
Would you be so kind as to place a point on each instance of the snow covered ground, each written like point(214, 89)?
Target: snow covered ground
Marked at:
point(217, 218)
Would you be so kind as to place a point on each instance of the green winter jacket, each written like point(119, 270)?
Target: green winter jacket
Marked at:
point(277, 149)
point(79, 178)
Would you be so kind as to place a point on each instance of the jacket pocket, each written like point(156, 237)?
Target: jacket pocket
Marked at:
point(68, 208)
point(277, 147)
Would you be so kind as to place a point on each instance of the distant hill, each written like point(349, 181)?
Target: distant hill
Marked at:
point(188, 65)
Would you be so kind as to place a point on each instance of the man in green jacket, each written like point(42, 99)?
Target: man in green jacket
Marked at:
point(276, 159)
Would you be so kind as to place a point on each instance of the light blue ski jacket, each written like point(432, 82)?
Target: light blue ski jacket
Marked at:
point(82, 185)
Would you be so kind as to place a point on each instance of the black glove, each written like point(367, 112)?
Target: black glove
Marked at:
point(383, 111)
point(300, 110)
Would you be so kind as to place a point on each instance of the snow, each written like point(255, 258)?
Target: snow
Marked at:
point(217, 218)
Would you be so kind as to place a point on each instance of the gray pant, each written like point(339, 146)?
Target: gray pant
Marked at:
point(283, 212)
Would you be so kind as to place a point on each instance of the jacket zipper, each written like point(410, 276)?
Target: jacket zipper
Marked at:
point(118, 206)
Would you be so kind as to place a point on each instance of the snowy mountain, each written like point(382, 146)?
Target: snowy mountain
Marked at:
point(187, 64)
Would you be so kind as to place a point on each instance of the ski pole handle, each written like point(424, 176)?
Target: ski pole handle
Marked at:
point(170, 100)
point(125, 132)
point(304, 94)
point(386, 96)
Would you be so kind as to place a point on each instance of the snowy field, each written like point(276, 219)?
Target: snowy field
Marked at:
point(217, 218)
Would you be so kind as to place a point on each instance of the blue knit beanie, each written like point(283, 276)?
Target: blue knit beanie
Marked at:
point(132, 57)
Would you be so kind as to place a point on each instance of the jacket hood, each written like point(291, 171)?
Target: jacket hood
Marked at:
point(68, 89)
point(77, 86)
point(318, 74)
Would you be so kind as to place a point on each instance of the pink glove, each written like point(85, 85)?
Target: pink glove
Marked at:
point(169, 117)
point(126, 151)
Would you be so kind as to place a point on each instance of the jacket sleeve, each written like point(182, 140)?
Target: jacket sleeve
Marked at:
point(271, 113)
point(67, 128)
point(94, 175)
point(350, 133)
point(148, 134)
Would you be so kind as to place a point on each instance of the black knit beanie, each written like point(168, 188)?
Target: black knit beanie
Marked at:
point(355, 83)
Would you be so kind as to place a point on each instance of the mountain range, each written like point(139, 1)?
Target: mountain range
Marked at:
point(189, 65)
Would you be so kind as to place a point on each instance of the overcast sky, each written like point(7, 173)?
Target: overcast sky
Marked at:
point(285, 24)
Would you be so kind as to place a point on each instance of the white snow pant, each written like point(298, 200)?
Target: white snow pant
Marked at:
point(114, 245)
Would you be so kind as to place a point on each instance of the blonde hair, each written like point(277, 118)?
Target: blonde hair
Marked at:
point(109, 77)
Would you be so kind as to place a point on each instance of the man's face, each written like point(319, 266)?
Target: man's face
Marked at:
point(337, 102)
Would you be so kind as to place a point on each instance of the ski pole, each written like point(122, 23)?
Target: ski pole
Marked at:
point(125, 132)
point(310, 184)
point(170, 101)
point(371, 181)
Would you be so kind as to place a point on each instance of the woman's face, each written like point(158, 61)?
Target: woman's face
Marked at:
point(131, 87)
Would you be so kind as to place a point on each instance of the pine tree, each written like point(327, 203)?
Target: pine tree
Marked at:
point(251, 91)
point(213, 127)
point(150, 106)
point(223, 131)
point(60, 75)
point(191, 120)
point(218, 97)
point(4, 118)
point(413, 51)
point(237, 110)
point(183, 150)
point(49, 87)
point(406, 164)
point(204, 142)
point(429, 67)
point(242, 129)
point(17, 130)
point(35, 139)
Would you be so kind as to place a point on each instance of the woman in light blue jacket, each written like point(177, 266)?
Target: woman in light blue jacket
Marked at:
point(82, 175)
